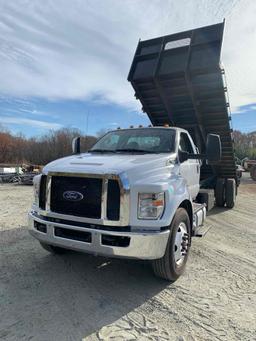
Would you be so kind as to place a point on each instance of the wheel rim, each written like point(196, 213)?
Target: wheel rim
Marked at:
point(181, 244)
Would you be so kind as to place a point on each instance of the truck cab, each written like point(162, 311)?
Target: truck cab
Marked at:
point(132, 195)
point(143, 192)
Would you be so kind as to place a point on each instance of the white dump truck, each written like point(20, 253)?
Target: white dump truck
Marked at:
point(144, 192)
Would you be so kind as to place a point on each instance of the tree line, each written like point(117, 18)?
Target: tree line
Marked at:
point(56, 144)
point(245, 145)
point(40, 150)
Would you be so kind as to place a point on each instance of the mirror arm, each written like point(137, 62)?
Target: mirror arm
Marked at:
point(197, 156)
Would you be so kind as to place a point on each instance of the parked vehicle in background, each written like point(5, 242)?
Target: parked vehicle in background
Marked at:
point(143, 192)
point(253, 172)
point(250, 166)
point(18, 173)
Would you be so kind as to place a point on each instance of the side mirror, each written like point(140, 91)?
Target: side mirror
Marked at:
point(213, 148)
point(76, 145)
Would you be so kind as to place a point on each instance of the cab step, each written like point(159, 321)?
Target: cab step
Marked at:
point(202, 230)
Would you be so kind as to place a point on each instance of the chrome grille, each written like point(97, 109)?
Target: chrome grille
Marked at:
point(87, 190)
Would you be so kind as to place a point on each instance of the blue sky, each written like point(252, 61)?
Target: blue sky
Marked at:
point(66, 66)
point(245, 118)
point(35, 116)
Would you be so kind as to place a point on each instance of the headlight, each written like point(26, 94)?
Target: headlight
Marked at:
point(150, 205)
point(36, 185)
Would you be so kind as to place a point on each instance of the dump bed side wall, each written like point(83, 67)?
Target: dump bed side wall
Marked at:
point(179, 81)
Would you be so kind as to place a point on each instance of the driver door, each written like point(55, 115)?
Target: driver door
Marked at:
point(189, 169)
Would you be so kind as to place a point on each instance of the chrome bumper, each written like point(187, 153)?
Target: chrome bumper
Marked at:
point(143, 245)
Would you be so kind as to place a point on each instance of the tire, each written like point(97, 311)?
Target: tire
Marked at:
point(253, 173)
point(230, 193)
point(220, 192)
point(53, 249)
point(168, 267)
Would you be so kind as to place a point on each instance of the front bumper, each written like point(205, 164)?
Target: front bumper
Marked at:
point(142, 245)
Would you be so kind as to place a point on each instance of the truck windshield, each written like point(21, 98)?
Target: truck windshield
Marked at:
point(144, 140)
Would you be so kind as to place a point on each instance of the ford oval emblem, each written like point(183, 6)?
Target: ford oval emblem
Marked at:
point(73, 196)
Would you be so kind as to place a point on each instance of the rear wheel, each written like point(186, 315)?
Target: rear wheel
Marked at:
point(220, 192)
point(253, 173)
point(172, 264)
point(53, 249)
point(230, 193)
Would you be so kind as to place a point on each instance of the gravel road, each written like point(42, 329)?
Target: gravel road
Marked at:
point(81, 297)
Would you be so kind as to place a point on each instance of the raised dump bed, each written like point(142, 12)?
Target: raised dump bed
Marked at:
point(179, 81)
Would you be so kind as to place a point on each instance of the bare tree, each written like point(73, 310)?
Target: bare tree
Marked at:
point(51, 146)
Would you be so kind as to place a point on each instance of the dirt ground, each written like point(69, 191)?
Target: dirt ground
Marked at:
point(81, 297)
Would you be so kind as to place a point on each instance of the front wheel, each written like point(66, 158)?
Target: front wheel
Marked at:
point(172, 265)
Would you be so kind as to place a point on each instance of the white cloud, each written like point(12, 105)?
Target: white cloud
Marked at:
point(29, 122)
point(32, 112)
point(82, 49)
point(239, 54)
point(245, 109)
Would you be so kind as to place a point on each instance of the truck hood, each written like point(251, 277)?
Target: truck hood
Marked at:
point(135, 166)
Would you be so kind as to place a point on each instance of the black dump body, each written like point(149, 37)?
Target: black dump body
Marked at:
point(179, 81)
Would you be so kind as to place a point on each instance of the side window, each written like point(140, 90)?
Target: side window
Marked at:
point(185, 144)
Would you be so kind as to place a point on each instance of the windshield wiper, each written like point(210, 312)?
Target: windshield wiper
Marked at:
point(134, 150)
point(101, 151)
